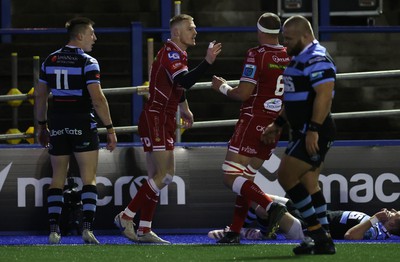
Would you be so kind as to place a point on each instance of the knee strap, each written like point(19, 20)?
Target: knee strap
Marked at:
point(232, 168)
point(167, 179)
point(250, 171)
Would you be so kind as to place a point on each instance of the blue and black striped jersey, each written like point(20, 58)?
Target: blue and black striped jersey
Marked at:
point(67, 72)
point(341, 221)
point(310, 68)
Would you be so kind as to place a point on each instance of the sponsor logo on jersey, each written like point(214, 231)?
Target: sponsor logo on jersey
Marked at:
point(275, 66)
point(68, 57)
point(64, 59)
point(316, 75)
point(249, 150)
point(176, 65)
point(273, 104)
point(251, 60)
point(280, 59)
point(316, 59)
point(249, 70)
point(260, 128)
point(173, 56)
point(68, 131)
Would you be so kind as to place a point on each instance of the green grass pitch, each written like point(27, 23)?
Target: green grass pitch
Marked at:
point(353, 252)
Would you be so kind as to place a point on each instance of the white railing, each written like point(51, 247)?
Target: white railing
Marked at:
point(219, 123)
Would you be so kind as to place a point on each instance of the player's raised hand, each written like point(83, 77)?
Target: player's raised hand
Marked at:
point(213, 51)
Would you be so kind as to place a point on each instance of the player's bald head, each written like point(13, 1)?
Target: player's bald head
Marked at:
point(300, 24)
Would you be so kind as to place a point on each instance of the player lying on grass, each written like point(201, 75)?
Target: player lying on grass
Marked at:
point(289, 225)
point(350, 225)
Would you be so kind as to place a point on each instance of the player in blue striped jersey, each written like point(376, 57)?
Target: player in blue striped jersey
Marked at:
point(309, 82)
point(349, 225)
point(73, 77)
point(382, 225)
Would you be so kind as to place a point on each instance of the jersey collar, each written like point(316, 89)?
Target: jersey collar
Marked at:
point(314, 42)
point(176, 46)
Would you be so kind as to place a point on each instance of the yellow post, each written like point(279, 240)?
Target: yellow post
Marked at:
point(14, 103)
point(13, 131)
point(150, 54)
point(14, 89)
point(30, 94)
point(177, 7)
point(36, 70)
point(30, 131)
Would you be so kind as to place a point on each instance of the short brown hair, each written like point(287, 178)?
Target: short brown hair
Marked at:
point(77, 25)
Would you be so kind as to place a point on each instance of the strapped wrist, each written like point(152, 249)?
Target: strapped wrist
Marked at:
point(110, 129)
point(314, 127)
point(374, 220)
point(224, 88)
point(42, 123)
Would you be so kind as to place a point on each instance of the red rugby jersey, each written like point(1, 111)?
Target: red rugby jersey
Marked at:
point(164, 92)
point(264, 66)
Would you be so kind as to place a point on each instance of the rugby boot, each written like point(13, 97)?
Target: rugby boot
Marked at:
point(325, 247)
point(275, 213)
point(88, 237)
point(316, 242)
point(151, 237)
point(54, 238)
point(230, 238)
point(126, 226)
point(217, 234)
point(306, 247)
point(323, 242)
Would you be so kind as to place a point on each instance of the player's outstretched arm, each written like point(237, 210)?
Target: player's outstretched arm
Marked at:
point(358, 231)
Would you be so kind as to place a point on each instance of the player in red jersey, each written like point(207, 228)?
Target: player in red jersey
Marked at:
point(169, 78)
point(261, 90)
